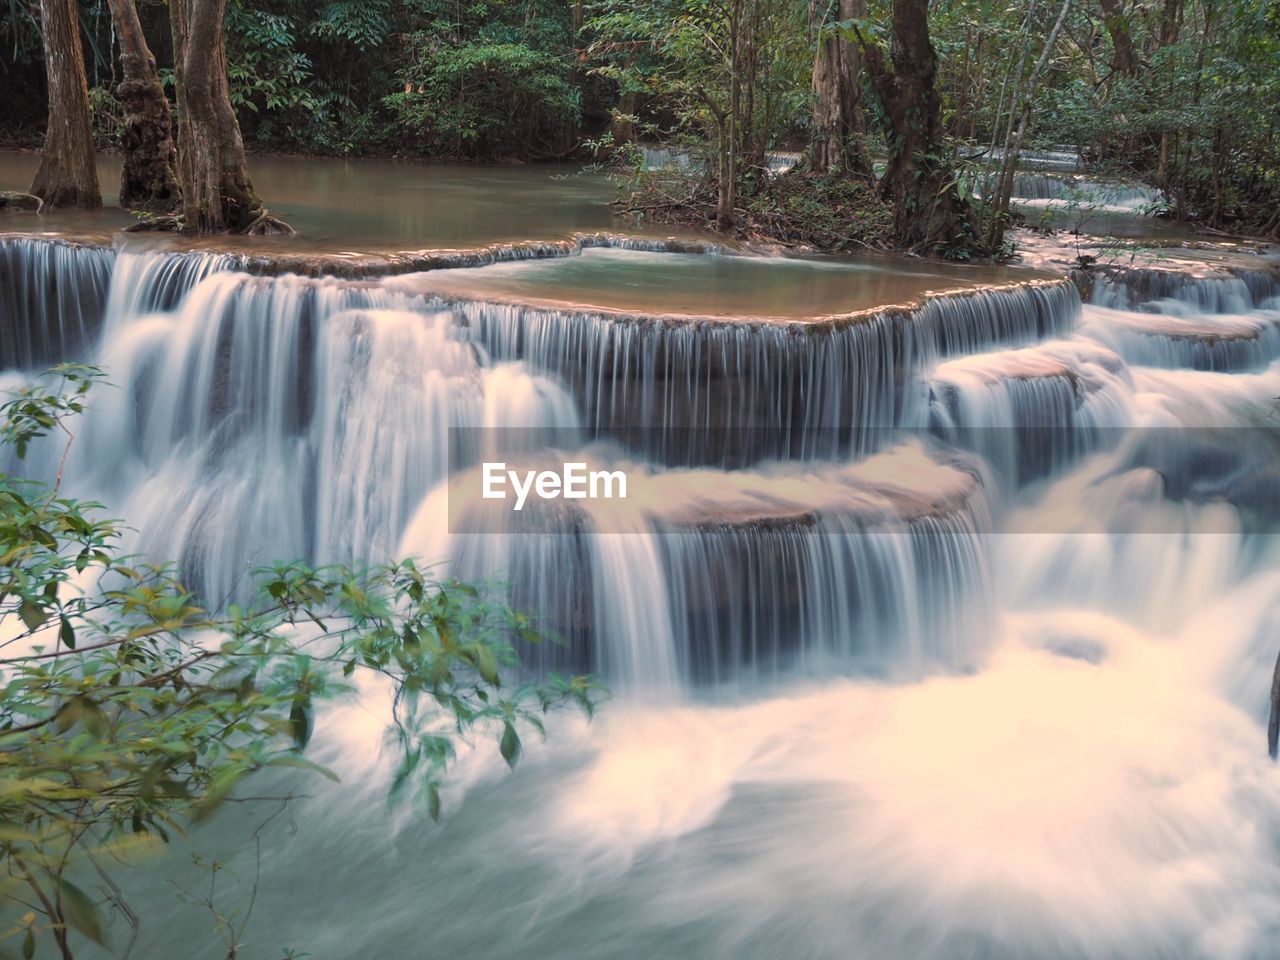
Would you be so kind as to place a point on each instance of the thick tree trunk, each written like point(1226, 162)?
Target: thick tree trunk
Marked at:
point(1125, 60)
point(149, 180)
point(839, 122)
point(68, 174)
point(928, 212)
point(217, 194)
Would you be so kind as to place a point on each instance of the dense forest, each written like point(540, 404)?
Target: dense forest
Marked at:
point(905, 111)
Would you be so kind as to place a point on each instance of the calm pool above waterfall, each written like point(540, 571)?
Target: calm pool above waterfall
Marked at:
point(939, 618)
point(373, 205)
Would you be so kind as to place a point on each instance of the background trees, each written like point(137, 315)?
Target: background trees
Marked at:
point(1176, 92)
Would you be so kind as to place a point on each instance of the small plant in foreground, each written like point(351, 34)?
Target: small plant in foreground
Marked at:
point(130, 709)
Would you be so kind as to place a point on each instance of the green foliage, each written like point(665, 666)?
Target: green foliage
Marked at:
point(682, 56)
point(130, 709)
point(420, 77)
point(485, 99)
point(1194, 116)
point(491, 79)
point(108, 114)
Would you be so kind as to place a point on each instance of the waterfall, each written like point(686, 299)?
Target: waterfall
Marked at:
point(782, 518)
point(1163, 319)
point(708, 391)
point(269, 418)
point(51, 300)
point(1130, 287)
point(1043, 187)
point(723, 575)
point(1031, 411)
point(943, 629)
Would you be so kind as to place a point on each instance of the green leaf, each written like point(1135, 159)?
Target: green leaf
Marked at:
point(302, 763)
point(220, 788)
point(433, 802)
point(29, 944)
point(33, 615)
point(510, 745)
point(487, 664)
point(67, 634)
point(300, 722)
point(79, 909)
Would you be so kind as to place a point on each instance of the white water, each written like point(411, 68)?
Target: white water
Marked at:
point(850, 723)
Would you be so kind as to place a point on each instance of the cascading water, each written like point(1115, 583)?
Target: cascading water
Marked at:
point(1044, 188)
point(774, 389)
point(728, 575)
point(263, 418)
point(51, 300)
point(945, 694)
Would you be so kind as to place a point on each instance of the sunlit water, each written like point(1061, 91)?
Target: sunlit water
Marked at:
point(962, 692)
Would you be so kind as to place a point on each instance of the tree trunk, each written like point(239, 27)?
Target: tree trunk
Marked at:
point(839, 122)
point(928, 212)
point(1125, 60)
point(149, 180)
point(217, 194)
point(68, 174)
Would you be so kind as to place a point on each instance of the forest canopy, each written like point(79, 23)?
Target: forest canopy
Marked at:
point(904, 96)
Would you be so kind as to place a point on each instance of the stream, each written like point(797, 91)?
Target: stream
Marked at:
point(940, 618)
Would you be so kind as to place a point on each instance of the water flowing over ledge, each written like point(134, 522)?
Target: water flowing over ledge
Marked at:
point(711, 576)
point(52, 297)
point(1235, 289)
point(42, 277)
point(256, 416)
point(799, 385)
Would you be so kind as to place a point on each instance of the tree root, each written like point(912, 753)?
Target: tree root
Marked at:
point(156, 225)
point(15, 200)
point(265, 225)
